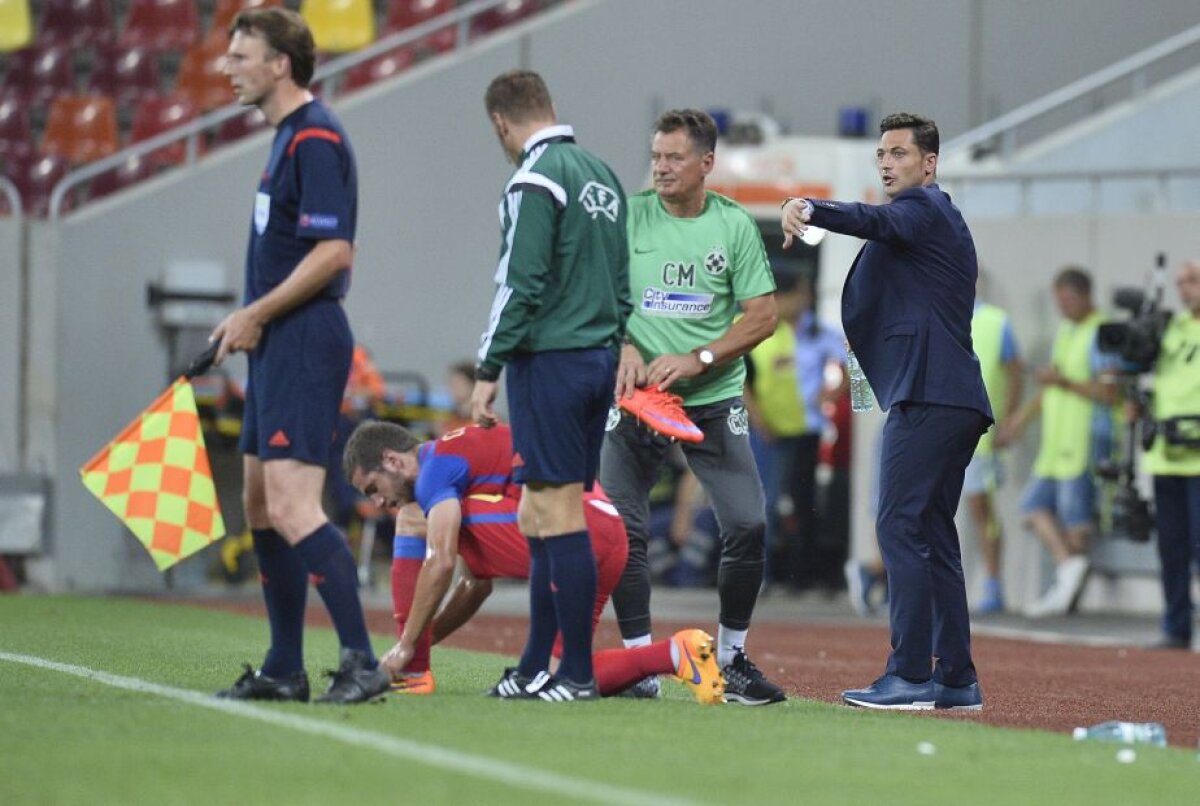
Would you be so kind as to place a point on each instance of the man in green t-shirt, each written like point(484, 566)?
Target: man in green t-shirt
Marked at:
point(695, 257)
point(1174, 459)
point(1075, 404)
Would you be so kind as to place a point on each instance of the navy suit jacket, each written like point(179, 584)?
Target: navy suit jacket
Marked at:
point(909, 297)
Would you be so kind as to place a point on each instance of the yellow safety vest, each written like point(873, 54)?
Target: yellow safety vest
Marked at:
point(1065, 451)
point(776, 386)
point(1176, 394)
point(987, 337)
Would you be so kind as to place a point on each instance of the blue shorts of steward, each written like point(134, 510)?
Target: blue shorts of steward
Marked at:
point(1070, 500)
point(297, 378)
point(558, 403)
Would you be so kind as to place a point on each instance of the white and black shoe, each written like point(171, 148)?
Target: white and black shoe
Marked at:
point(746, 685)
point(515, 686)
point(648, 688)
point(560, 689)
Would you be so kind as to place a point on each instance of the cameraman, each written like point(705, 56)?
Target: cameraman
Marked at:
point(1176, 467)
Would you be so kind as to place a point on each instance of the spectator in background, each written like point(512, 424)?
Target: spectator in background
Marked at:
point(1075, 404)
point(775, 404)
point(996, 347)
point(820, 348)
point(460, 381)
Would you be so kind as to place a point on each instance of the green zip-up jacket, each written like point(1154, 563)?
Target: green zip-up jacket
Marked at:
point(563, 278)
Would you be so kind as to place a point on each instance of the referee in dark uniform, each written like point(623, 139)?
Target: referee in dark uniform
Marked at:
point(557, 323)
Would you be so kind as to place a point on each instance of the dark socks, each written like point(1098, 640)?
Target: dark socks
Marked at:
point(285, 588)
point(543, 620)
point(327, 558)
point(573, 586)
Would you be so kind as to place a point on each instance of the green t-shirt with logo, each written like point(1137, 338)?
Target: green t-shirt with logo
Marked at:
point(1176, 394)
point(686, 277)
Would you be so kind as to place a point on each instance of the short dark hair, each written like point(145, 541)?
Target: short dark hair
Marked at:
point(465, 369)
point(925, 131)
point(285, 32)
point(520, 96)
point(1075, 278)
point(699, 124)
point(364, 449)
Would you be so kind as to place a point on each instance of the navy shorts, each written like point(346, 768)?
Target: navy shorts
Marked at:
point(297, 379)
point(558, 403)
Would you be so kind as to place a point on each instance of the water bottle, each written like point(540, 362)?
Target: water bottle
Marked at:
point(1125, 732)
point(861, 398)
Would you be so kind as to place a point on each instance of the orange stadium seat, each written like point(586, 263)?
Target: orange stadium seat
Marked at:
point(158, 114)
point(200, 78)
point(37, 74)
point(16, 25)
point(81, 128)
point(126, 74)
point(76, 23)
point(379, 68)
point(404, 14)
point(503, 15)
point(161, 24)
point(340, 26)
point(16, 135)
point(226, 10)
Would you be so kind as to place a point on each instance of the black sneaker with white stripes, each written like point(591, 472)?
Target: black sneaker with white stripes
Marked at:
point(647, 688)
point(515, 686)
point(560, 689)
point(746, 685)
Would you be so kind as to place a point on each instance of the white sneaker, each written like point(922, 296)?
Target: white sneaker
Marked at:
point(1071, 575)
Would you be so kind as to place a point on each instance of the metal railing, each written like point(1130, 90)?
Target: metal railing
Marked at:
point(960, 183)
point(1003, 135)
point(192, 131)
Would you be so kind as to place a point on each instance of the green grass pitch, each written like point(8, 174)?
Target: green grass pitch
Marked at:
point(66, 739)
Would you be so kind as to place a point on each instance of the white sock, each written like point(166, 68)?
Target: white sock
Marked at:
point(675, 654)
point(641, 640)
point(729, 643)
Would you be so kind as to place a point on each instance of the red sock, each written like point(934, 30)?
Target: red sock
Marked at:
point(404, 585)
point(618, 669)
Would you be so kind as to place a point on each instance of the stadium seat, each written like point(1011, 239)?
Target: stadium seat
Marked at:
point(157, 114)
point(226, 10)
point(76, 23)
point(200, 78)
point(16, 25)
point(379, 68)
point(161, 25)
point(130, 172)
point(16, 135)
point(81, 128)
point(250, 121)
point(340, 26)
point(127, 75)
point(35, 75)
point(404, 14)
point(501, 16)
point(35, 177)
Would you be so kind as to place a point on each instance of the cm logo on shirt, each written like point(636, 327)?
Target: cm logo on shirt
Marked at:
point(679, 274)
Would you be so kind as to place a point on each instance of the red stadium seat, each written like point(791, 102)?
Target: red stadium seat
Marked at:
point(161, 25)
point(76, 23)
point(127, 75)
point(200, 78)
point(379, 68)
point(35, 75)
point(130, 172)
point(35, 177)
point(159, 114)
point(404, 14)
point(501, 16)
point(226, 10)
point(250, 121)
point(16, 135)
point(81, 128)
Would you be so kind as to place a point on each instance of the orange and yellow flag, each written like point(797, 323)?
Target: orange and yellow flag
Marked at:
point(155, 477)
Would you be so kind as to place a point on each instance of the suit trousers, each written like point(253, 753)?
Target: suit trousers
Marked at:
point(926, 449)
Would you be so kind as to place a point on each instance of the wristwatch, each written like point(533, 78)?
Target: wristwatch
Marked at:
point(706, 358)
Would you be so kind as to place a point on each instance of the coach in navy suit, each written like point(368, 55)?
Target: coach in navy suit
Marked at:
point(906, 310)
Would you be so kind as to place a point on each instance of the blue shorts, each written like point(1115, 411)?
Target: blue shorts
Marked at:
point(984, 474)
point(558, 404)
point(297, 379)
point(1070, 500)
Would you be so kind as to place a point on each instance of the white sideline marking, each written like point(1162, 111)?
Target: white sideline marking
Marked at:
point(432, 755)
point(1050, 636)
